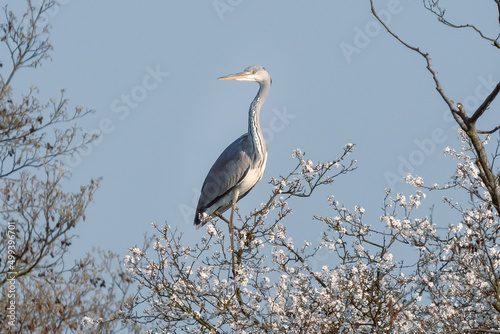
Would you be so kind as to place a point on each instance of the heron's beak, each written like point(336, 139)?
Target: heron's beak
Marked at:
point(236, 76)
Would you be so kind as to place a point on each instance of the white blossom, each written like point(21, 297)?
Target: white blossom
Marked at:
point(297, 154)
point(211, 230)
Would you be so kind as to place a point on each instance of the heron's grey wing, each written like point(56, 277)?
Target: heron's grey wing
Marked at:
point(229, 169)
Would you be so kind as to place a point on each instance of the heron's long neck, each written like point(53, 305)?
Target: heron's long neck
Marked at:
point(253, 119)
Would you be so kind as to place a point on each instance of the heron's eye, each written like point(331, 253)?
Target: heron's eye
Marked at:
point(254, 71)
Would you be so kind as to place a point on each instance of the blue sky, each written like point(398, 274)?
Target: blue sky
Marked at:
point(149, 70)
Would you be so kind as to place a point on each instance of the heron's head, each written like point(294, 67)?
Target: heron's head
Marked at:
point(253, 73)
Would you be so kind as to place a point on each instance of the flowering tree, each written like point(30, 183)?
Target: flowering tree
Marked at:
point(463, 265)
point(40, 292)
point(450, 282)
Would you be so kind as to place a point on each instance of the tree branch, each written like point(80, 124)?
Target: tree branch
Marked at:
point(459, 115)
point(486, 103)
point(489, 132)
point(433, 7)
point(466, 124)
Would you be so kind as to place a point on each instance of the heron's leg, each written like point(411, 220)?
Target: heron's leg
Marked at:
point(231, 227)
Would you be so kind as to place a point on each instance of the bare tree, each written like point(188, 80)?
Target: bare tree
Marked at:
point(446, 282)
point(41, 293)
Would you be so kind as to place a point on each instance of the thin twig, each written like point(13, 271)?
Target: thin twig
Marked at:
point(434, 8)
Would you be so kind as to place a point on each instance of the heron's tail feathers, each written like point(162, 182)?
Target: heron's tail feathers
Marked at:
point(200, 219)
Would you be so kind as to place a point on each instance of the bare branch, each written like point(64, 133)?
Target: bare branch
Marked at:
point(458, 115)
point(434, 7)
point(489, 132)
point(498, 5)
point(458, 112)
point(486, 103)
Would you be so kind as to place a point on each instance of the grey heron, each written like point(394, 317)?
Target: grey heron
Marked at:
point(241, 166)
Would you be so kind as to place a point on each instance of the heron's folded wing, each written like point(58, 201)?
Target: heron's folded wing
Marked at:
point(229, 169)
